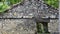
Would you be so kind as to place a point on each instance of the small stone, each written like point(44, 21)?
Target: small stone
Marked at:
point(51, 20)
point(3, 24)
point(0, 32)
point(49, 30)
point(27, 16)
point(52, 16)
point(50, 11)
point(21, 28)
point(4, 32)
point(17, 33)
point(30, 14)
point(10, 13)
point(20, 16)
point(12, 31)
point(56, 13)
point(45, 17)
point(15, 14)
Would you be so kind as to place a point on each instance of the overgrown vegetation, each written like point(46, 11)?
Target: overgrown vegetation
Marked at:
point(53, 3)
point(5, 4)
point(40, 28)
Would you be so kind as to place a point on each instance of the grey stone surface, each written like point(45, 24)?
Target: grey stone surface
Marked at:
point(29, 9)
point(53, 25)
point(21, 26)
point(32, 8)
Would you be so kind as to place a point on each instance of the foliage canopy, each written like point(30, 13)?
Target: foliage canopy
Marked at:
point(5, 4)
point(53, 3)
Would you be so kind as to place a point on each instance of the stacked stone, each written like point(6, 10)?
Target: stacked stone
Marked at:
point(19, 20)
point(31, 9)
point(17, 26)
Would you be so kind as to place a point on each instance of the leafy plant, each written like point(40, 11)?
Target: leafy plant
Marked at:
point(53, 3)
point(5, 4)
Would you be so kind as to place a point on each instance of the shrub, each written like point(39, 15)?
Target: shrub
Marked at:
point(5, 4)
point(53, 3)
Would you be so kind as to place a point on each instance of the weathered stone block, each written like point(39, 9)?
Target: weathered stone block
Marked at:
point(53, 26)
point(18, 26)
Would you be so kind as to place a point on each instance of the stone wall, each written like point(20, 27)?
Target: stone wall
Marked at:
point(19, 20)
point(24, 26)
point(17, 26)
point(53, 26)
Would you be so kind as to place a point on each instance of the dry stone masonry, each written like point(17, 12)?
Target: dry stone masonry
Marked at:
point(22, 18)
point(15, 26)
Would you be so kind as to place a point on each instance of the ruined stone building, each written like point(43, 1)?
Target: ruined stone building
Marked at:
point(23, 18)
